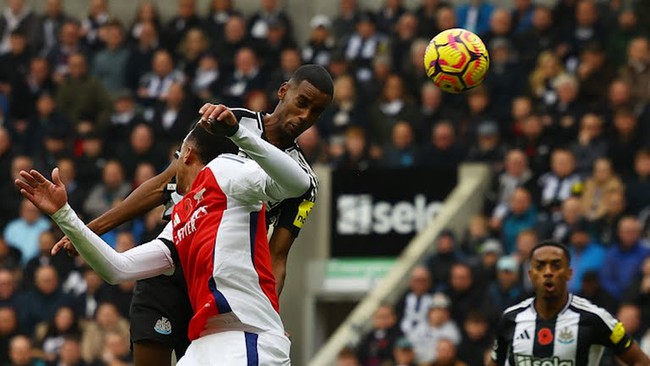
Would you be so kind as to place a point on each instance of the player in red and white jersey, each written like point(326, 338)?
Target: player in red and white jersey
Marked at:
point(217, 235)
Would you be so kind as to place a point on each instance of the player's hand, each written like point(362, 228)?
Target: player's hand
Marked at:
point(65, 244)
point(220, 120)
point(48, 196)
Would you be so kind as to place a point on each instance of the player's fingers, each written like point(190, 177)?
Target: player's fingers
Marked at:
point(225, 113)
point(28, 178)
point(207, 111)
point(57, 247)
point(204, 107)
point(216, 112)
point(29, 196)
point(24, 185)
point(38, 176)
point(56, 178)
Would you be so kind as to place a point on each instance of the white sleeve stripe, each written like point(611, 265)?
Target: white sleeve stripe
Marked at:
point(524, 304)
point(603, 314)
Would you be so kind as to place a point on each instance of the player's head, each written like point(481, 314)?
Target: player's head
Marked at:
point(550, 269)
point(303, 98)
point(197, 150)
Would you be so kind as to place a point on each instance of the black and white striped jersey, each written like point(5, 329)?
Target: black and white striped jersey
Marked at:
point(290, 213)
point(578, 335)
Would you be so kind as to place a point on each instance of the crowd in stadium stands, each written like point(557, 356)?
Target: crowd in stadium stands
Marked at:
point(563, 119)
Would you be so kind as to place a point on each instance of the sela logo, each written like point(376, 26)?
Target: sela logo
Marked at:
point(525, 360)
point(358, 214)
point(190, 226)
point(163, 326)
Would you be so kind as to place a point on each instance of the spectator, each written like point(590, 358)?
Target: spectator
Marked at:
point(69, 353)
point(20, 352)
point(146, 13)
point(124, 117)
point(427, 13)
point(505, 80)
point(446, 354)
point(9, 256)
point(91, 26)
point(311, 145)
point(347, 357)
point(521, 215)
point(11, 198)
point(488, 148)
point(626, 29)
point(637, 70)
point(478, 110)
point(549, 68)
point(541, 36)
point(277, 40)
point(6, 154)
point(112, 189)
point(623, 260)
point(485, 270)
point(92, 160)
point(37, 82)
point(194, 44)
point(107, 321)
point(535, 143)
point(500, 27)
point(413, 307)
point(155, 85)
point(92, 295)
point(476, 339)
point(522, 15)
point(141, 54)
point(109, 64)
point(23, 232)
point(440, 326)
point(63, 264)
point(477, 233)
point(320, 44)
point(219, 13)
point(415, 75)
point(115, 350)
point(565, 114)
point(41, 302)
point(344, 23)
point(354, 154)
point(475, 16)
point(8, 330)
point(51, 335)
point(8, 287)
point(515, 174)
point(171, 120)
point(393, 106)
point(606, 226)
point(344, 111)
point(13, 67)
point(69, 44)
point(17, 17)
point(629, 315)
point(143, 172)
point(245, 78)
point(624, 142)
point(560, 183)
point(270, 12)
point(55, 148)
point(377, 347)
point(594, 75)
point(446, 18)
point(402, 38)
point(47, 121)
point(591, 144)
point(361, 46)
point(586, 256)
point(208, 80)
point(82, 98)
point(639, 292)
point(507, 290)
point(464, 292)
point(432, 109)
point(402, 152)
point(638, 187)
point(445, 256)
point(602, 180)
point(403, 352)
point(184, 20)
point(593, 291)
point(586, 30)
point(570, 217)
point(235, 38)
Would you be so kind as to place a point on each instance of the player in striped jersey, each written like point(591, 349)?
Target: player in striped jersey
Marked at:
point(217, 235)
point(162, 299)
point(556, 328)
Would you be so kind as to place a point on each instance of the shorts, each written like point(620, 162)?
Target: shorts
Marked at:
point(161, 312)
point(237, 348)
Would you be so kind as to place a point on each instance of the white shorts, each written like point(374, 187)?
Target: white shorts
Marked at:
point(238, 348)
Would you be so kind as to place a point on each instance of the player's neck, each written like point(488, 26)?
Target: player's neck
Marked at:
point(273, 132)
point(549, 308)
point(192, 172)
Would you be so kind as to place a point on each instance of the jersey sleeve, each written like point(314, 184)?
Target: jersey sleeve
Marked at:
point(611, 333)
point(501, 346)
point(293, 212)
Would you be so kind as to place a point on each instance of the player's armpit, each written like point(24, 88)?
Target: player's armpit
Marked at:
point(279, 245)
point(633, 356)
point(143, 199)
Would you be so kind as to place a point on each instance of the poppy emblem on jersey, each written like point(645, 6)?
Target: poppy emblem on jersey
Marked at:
point(544, 336)
point(565, 336)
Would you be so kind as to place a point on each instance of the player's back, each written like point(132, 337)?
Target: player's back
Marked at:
point(220, 236)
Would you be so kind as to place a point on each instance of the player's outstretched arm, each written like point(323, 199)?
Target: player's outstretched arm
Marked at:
point(143, 199)
point(634, 356)
point(148, 260)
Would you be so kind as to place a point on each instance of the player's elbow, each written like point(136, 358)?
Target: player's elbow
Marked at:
point(299, 186)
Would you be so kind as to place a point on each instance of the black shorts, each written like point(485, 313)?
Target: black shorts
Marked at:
point(161, 311)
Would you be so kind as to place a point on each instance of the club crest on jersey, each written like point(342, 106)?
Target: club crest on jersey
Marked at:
point(525, 360)
point(199, 195)
point(565, 336)
point(163, 326)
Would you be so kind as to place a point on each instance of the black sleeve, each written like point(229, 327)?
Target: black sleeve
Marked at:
point(611, 333)
point(501, 346)
point(172, 250)
point(293, 212)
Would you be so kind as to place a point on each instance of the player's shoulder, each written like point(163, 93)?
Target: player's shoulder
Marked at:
point(250, 119)
point(512, 311)
point(296, 154)
point(586, 307)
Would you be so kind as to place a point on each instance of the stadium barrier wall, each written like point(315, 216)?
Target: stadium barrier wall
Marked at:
point(463, 202)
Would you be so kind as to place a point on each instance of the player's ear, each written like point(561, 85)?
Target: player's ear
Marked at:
point(282, 90)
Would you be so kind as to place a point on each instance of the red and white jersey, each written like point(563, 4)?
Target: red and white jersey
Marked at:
point(219, 232)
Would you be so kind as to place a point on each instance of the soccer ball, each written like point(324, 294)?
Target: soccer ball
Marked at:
point(456, 60)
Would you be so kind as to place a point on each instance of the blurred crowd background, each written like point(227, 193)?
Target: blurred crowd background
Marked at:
point(562, 119)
